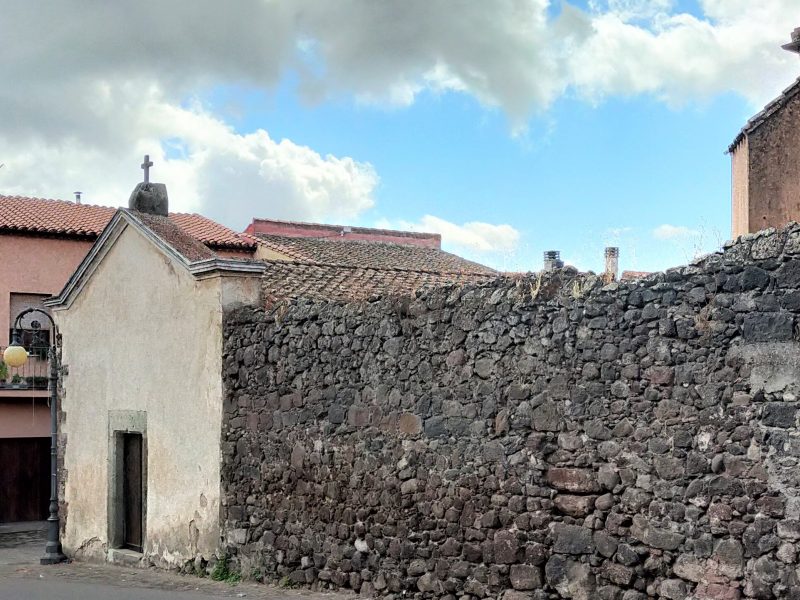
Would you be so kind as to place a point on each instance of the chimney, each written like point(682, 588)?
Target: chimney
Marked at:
point(612, 264)
point(552, 260)
point(794, 45)
point(149, 197)
point(77, 197)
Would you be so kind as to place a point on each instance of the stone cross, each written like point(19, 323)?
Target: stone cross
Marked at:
point(146, 166)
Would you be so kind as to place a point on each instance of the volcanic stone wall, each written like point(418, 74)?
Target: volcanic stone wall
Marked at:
point(541, 437)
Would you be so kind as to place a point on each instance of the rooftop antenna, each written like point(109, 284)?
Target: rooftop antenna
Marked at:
point(77, 197)
point(794, 45)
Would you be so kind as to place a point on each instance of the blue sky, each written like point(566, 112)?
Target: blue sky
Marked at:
point(583, 177)
point(510, 127)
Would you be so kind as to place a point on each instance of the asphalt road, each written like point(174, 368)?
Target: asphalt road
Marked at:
point(25, 589)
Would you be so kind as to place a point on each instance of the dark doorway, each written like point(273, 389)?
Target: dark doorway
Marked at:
point(132, 491)
point(24, 479)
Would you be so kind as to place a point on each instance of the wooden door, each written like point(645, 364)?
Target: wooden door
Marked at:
point(24, 479)
point(132, 491)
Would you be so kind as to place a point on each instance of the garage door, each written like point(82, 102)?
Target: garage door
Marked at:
point(24, 479)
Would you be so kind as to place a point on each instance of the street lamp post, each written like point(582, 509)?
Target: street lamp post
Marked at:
point(16, 356)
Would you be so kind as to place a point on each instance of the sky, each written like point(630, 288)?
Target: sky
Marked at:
point(510, 127)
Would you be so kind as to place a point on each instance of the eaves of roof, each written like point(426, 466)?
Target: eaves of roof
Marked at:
point(200, 263)
point(761, 117)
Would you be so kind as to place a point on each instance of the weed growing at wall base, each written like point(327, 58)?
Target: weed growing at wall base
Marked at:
point(221, 572)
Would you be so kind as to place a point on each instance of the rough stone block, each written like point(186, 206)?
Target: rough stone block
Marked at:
point(617, 573)
point(574, 506)
point(506, 547)
point(572, 539)
point(674, 589)
point(655, 537)
point(668, 467)
point(582, 481)
point(525, 577)
point(546, 417)
point(768, 327)
point(409, 424)
point(358, 416)
point(689, 567)
point(570, 578)
point(729, 557)
point(435, 426)
point(660, 375)
point(779, 414)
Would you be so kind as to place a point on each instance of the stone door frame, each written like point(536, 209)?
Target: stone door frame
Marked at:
point(121, 422)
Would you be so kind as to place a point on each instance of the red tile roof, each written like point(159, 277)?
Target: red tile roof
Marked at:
point(211, 233)
point(39, 216)
point(323, 267)
point(174, 235)
point(322, 230)
point(633, 275)
point(55, 217)
point(343, 270)
point(343, 252)
point(294, 280)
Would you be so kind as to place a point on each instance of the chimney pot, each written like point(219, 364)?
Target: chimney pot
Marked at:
point(77, 197)
point(552, 260)
point(612, 264)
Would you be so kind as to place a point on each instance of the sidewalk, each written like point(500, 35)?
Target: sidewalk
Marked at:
point(22, 543)
point(23, 578)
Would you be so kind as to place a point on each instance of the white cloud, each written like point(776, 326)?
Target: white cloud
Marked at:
point(228, 176)
point(473, 237)
point(673, 232)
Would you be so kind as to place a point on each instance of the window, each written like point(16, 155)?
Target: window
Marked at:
point(34, 329)
point(35, 341)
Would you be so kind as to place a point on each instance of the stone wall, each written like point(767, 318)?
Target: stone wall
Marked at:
point(530, 438)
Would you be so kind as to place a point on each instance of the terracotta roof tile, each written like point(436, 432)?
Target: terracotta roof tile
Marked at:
point(212, 233)
point(632, 275)
point(371, 255)
point(174, 235)
point(40, 216)
point(325, 230)
point(292, 280)
point(319, 268)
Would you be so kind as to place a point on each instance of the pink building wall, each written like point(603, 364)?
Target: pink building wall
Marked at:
point(24, 419)
point(34, 265)
point(31, 265)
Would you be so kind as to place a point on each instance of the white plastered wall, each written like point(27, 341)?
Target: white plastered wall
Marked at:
point(145, 335)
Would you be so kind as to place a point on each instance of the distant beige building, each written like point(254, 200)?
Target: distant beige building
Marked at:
point(765, 163)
